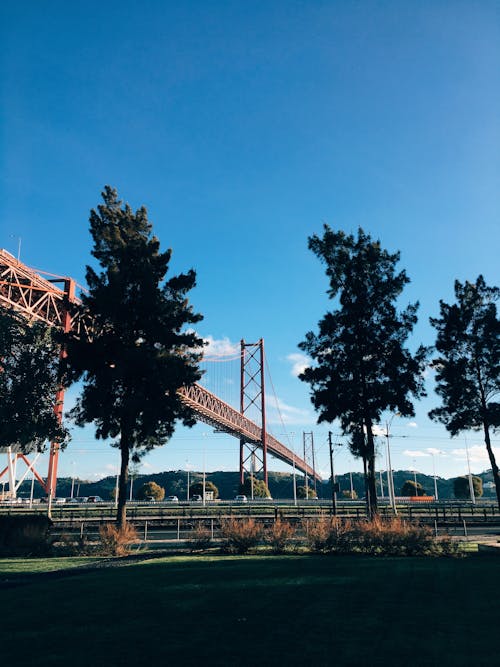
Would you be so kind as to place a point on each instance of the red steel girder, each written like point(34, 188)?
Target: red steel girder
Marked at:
point(26, 291)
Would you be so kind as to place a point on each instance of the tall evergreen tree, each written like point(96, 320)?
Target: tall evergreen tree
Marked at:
point(29, 379)
point(139, 352)
point(468, 365)
point(362, 366)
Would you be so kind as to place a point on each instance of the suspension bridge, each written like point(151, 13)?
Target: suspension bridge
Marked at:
point(45, 297)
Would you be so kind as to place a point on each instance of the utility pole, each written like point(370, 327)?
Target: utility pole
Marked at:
point(334, 492)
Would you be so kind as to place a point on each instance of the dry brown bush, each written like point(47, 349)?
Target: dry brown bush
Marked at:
point(200, 539)
point(278, 536)
point(393, 537)
point(117, 541)
point(240, 535)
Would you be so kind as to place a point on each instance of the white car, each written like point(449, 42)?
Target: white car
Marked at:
point(171, 499)
point(240, 499)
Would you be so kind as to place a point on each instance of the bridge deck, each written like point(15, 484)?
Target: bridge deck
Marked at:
point(30, 294)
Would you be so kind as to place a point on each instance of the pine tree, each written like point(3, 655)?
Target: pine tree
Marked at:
point(139, 352)
point(468, 365)
point(361, 366)
point(29, 379)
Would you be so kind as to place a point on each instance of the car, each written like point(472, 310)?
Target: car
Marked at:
point(241, 499)
point(196, 498)
point(94, 499)
point(171, 499)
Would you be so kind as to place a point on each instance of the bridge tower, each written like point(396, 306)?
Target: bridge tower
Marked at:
point(253, 457)
point(308, 442)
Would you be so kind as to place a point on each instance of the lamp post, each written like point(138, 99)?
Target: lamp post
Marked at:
point(291, 436)
point(72, 479)
point(436, 497)
point(390, 478)
point(334, 490)
point(187, 487)
point(471, 484)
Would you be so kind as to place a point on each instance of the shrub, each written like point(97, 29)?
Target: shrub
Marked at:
point(395, 538)
point(117, 541)
point(279, 536)
point(388, 538)
point(329, 534)
point(254, 487)
point(25, 535)
point(200, 539)
point(151, 490)
point(240, 535)
point(196, 489)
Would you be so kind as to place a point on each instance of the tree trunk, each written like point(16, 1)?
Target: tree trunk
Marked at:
point(487, 441)
point(367, 491)
point(121, 513)
point(494, 467)
point(370, 475)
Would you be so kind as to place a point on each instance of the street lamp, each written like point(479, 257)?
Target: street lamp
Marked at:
point(72, 479)
point(471, 484)
point(436, 497)
point(390, 478)
point(187, 488)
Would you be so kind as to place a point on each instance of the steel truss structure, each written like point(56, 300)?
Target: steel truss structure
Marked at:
point(308, 443)
point(37, 298)
point(253, 454)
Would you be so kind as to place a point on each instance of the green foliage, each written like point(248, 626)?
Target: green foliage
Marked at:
point(361, 366)
point(25, 535)
point(461, 487)
point(141, 350)
point(151, 490)
point(196, 489)
point(468, 363)
point(240, 535)
point(409, 489)
point(306, 492)
point(255, 487)
point(29, 356)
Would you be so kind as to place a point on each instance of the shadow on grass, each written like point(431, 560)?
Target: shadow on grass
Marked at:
point(246, 610)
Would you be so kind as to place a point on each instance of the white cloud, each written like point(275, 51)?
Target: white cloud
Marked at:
point(299, 363)
point(412, 424)
point(435, 452)
point(220, 347)
point(289, 413)
point(378, 430)
point(416, 453)
point(477, 454)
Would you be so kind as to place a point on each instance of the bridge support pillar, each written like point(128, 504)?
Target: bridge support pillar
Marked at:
point(253, 457)
point(50, 484)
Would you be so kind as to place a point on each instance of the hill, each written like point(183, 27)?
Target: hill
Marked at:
point(280, 484)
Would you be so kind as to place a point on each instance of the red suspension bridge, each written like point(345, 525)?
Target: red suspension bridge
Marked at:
point(49, 299)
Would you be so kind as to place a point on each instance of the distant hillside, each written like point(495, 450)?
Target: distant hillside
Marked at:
point(280, 484)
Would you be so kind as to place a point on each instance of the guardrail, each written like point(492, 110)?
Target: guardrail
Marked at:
point(441, 512)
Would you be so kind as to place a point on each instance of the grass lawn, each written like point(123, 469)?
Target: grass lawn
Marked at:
point(238, 611)
point(16, 568)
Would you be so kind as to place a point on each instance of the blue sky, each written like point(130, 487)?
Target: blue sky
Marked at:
point(243, 127)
